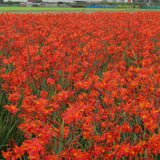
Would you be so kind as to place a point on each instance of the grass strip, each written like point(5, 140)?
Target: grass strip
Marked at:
point(57, 9)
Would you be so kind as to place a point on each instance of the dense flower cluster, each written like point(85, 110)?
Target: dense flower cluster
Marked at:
point(85, 86)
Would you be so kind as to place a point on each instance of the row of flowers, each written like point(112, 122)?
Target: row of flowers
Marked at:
point(85, 86)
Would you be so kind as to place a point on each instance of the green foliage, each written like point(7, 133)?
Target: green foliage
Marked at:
point(9, 130)
point(8, 125)
point(38, 1)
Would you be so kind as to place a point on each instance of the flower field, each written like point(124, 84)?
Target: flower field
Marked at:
point(84, 86)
